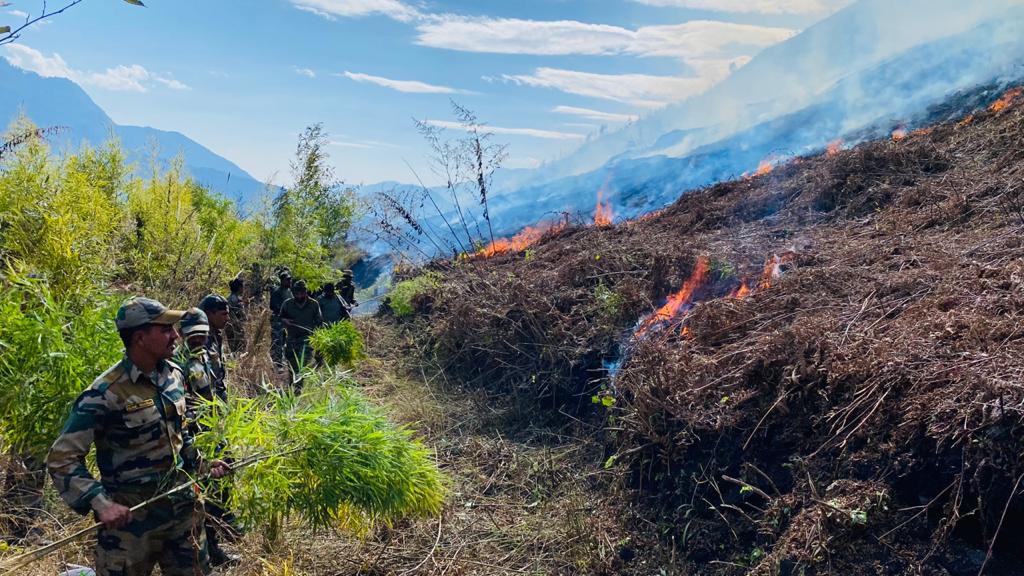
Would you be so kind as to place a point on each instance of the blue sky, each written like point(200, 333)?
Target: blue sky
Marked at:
point(244, 77)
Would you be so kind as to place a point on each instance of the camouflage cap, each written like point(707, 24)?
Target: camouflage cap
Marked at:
point(346, 273)
point(194, 322)
point(299, 285)
point(138, 311)
point(212, 302)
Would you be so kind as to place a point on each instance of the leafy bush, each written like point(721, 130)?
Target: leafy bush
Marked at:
point(50, 350)
point(403, 294)
point(338, 344)
point(337, 462)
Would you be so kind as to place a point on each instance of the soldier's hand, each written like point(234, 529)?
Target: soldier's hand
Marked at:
point(116, 516)
point(219, 469)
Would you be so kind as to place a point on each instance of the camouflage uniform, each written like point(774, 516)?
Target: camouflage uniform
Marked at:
point(136, 421)
point(215, 357)
point(278, 296)
point(332, 308)
point(235, 330)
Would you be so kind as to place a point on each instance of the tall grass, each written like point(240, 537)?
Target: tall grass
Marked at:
point(339, 344)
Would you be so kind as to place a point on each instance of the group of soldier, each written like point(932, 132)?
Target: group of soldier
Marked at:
point(141, 415)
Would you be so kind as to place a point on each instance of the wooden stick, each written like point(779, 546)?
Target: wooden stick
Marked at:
point(18, 562)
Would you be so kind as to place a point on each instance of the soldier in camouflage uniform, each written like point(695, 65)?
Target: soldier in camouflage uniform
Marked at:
point(134, 413)
point(347, 289)
point(216, 309)
point(235, 330)
point(194, 358)
point(277, 298)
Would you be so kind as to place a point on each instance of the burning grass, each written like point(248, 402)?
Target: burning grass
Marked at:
point(858, 410)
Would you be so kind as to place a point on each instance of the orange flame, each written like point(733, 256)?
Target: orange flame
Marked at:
point(773, 269)
point(899, 134)
point(678, 301)
point(742, 292)
point(521, 241)
point(603, 212)
point(1006, 101)
point(765, 167)
point(966, 121)
point(834, 147)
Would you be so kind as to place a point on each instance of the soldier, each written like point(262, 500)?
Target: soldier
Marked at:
point(235, 330)
point(277, 298)
point(194, 358)
point(134, 413)
point(332, 307)
point(300, 316)
point(216, 309)
point(347, 289)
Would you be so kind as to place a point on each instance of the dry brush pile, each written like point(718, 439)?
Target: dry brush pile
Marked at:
point(862, 414)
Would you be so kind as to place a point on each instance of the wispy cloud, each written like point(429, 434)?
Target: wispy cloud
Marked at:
point(639, 90)
point(695, 39)
point(332, 9)
point(18, 13)
point(304, 72)
point(531, 132)
point(596, 115)
point(361, 144)
point(133, 78)
point(412, 86)
point(755, 6)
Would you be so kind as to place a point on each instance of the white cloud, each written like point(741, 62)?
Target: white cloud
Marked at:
point(690, 40)
point(636, 89)
point(134, 78)
point(172, 83)
point(304, 72)
point(596, 115)
point(332, 9)
point(531, 132)
point(18, 13)
point(361, 144)
point(527, 162)
point(412, 86)
point(755, 6)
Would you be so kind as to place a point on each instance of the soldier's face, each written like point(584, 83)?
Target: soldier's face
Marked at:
point(196, 342)
point(218, 318)
point(157, 341)
point(300, 296)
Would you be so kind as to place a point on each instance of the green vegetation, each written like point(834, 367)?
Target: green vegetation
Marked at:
point(403, 294)
point(49, 351)
point(339, 344)
point(337, 461)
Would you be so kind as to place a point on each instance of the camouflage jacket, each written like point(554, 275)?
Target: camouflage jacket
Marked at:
point(215, 358)
point(198, 374)
point(136, 422)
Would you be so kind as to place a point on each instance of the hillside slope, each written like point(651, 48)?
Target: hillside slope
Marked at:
point(61, 102)
point(831, 383)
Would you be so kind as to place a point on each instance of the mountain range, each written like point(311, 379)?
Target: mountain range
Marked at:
point(60, 102)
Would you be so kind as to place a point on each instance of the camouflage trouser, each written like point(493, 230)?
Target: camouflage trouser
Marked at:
point(277, 340)
point(168, 533)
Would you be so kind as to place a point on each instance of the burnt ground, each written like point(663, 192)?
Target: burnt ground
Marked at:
point(861, 413)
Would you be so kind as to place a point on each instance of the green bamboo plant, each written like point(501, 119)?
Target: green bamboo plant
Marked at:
point(339, 344)
point(336, 461)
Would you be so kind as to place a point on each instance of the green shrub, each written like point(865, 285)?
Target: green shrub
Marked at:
point(50, 351)
point(338, 462)
point(338, 344)
point(404, 292)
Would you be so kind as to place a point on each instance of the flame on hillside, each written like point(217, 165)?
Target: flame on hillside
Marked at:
point(966, 121)
point(678, 303)
point(899, 134)
point(834, 147)
point(765, 167)
point(521, 241)
point(1006, 101)
point(603, 212)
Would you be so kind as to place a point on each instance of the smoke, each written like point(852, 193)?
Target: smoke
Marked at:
point(874, 61)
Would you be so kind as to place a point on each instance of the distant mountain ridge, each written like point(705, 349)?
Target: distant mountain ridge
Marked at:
point(61, 102)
